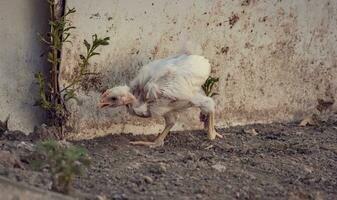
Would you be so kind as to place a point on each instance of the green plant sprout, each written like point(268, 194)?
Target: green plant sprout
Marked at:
point(51, 98)
point(63, 163)
point(69, 93)
point(208, 86)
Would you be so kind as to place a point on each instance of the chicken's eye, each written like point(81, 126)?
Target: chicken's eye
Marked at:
point(113, 98)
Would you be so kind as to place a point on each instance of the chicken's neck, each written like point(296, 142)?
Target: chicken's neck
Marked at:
point(132, 104)
point(138, 108)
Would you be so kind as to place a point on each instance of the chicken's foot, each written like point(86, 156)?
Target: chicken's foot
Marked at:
point(211, 132)
point(159, 141)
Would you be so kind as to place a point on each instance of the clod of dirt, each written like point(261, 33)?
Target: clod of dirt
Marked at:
point(148, 179)
point(299, 196)
point(9, 160)
point(99, 197)
point(219, 167)
point(252, 132)
point(159, 168)
point(119, 197)
point(310, 120)
point(190, 156)
point(14, 135)
point(26, 146)
point(308, 169)
point(45, 132)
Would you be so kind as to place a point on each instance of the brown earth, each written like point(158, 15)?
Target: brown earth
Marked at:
point(277, 161)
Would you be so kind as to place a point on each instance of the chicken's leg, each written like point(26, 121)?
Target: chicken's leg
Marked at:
point(159, 141)
point(211, 132)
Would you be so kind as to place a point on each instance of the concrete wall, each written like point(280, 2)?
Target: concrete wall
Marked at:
point(274, 58)
point(20, 52)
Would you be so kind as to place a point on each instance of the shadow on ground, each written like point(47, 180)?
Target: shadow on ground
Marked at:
point(277, 161)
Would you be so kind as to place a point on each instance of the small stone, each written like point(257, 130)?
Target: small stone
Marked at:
point(308, 169)
point(252, 132)
point(25, 145)
point(119, 197)
point(99, 197)
point(298, 195)
point(148, 179)
point(170, 193)
point(319, 196)
point(160, 168)
point(134, 165)
point(136, 152)
point(190, 156)
point(45, 132)
point(219, 167)
point(65, 144)
point(310, 120)
point(7, 159)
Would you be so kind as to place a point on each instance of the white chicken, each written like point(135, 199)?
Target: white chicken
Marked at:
point(163, 88)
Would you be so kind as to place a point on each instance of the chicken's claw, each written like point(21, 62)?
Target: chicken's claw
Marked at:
point(218, 135)
point(213, 134)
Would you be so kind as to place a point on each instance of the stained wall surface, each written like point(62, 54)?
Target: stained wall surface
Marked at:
point(20, 59)
point(274, 58)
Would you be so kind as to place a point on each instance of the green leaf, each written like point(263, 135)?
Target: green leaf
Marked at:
point(94, 54)
point(64, 163)
point(65, 37)
point(208, 86)
point(42, 38)
point(50, 57)
point(69, 28)
point(86, 43)
point(94, 38)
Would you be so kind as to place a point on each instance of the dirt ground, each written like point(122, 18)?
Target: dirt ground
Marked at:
point(277, 161)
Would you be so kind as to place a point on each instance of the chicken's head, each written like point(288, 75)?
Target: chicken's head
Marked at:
point(116, 96)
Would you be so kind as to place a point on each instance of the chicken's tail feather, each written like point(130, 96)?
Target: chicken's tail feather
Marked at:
point(191, 48)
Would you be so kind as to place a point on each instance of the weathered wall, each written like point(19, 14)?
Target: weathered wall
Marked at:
point(20, 52)
point(274, 58)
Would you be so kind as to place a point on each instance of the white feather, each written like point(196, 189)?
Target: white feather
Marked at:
point(119, 90)
point(178, 78)
point(206, 104)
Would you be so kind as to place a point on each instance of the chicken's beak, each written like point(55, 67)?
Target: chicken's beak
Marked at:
point(104, 102)
point(102, 105)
